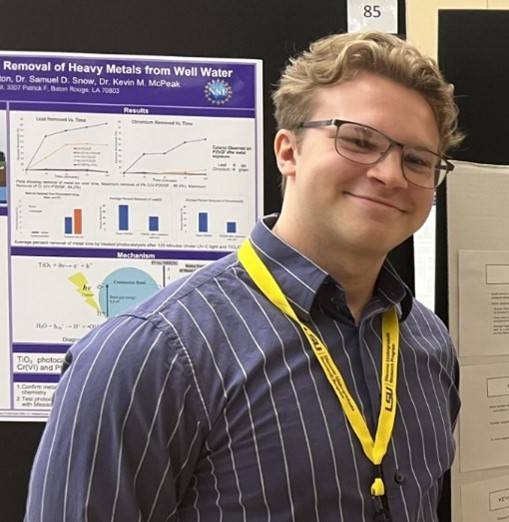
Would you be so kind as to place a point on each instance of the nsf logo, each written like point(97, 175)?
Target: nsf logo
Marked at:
point(218, 92)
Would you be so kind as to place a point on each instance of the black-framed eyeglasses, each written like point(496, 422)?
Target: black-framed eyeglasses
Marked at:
point(367, 146)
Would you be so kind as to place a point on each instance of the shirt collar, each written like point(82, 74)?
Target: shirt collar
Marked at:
point(393, 290)
point(301, 279)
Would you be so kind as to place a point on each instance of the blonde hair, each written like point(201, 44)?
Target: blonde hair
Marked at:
point(340, 57)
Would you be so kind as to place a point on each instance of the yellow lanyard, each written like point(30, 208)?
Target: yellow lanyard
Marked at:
point(374, 450)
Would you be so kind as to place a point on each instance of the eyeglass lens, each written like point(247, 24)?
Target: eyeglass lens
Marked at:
point(367, 146)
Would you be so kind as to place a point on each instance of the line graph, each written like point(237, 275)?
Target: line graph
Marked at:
point(51, 155)
point(151, 160)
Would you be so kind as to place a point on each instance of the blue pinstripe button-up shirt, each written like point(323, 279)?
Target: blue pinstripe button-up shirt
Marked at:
point(205, 403)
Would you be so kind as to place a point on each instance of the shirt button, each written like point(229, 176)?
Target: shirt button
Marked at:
point(335, 302)
point(399, 478)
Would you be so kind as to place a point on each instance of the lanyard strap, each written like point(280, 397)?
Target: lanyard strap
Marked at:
point(376, 449)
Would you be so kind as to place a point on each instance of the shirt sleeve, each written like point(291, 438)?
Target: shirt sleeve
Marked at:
point(125, 431)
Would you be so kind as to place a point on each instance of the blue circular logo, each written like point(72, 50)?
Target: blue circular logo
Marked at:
point(218, 92)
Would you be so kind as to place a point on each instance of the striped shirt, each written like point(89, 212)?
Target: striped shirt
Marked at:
point(207, 404)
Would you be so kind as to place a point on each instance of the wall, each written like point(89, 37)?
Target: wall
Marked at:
point(471, 47)
point(422, 19)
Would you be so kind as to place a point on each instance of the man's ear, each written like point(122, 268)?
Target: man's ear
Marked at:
point(285, 150)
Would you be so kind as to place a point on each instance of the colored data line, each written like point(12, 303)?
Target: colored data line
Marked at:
point(32, 169)
point(55, 134)
point(194, 172)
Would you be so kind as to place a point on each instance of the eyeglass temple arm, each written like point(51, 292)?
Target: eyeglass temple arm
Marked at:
point(318, 123)
point(449, 167)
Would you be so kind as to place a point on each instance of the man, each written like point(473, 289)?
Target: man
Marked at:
point(295, 380)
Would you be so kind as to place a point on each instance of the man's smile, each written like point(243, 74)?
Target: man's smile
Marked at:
point(377, 201)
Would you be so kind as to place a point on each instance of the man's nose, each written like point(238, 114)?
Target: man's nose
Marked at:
point(389, 169)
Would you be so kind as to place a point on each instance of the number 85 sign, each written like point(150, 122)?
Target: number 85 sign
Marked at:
point(380, 15)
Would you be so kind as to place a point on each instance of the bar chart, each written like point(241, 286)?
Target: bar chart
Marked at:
point(140, 218)
point(215, 221)
point(203, 224)
point(74, 224)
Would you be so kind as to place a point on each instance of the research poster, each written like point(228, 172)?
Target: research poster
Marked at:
point(478, 266)
point(118, 175)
